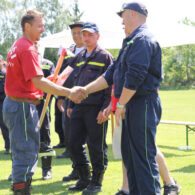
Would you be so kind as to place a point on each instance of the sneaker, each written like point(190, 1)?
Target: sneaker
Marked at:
point(60, 145)
point(173, 189)
point(47, 174)
point(121, 192)
point(63, 155)
point(46, 150)
point(72, 176)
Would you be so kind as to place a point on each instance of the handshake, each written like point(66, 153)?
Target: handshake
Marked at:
point(77, 94)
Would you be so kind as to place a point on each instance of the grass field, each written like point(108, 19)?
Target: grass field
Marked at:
point(177, 105)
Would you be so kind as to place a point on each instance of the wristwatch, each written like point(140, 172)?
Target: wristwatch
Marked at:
point(118, 105)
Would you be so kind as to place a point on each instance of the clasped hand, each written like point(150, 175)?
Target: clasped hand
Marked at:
point(77, 94)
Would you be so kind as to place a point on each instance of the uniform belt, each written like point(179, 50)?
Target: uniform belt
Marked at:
point(24, 99)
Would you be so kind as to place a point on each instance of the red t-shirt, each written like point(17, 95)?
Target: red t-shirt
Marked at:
point(22, 66)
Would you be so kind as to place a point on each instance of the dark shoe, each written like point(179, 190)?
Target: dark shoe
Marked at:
point(47, 174)
point(60, 145)
point(22, 188)
point(92, 189)
point(46, 150)
point(7, 151)
point(72, 176)
point(173, 189)
point(121, 192)
point(10, 177)
point(84, 179)
point(95, 185)
point(63, 155)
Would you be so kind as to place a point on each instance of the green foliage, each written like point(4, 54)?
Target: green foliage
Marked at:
point(179, 66)
point(76, 14)
point(57, 17)
point(51, 54)
point(114, 52)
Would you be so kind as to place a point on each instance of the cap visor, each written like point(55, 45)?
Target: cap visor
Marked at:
point(75, 25)
point(89, 30)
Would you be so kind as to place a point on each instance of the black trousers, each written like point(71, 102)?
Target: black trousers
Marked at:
point(84, 128)
point(45, 128)
point(138, 144)
point(4, 130)
point(58, 123)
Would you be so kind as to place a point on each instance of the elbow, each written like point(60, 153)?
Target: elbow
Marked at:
point(37, 82)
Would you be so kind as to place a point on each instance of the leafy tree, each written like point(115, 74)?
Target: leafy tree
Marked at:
point(57, 17)
point(75, 13)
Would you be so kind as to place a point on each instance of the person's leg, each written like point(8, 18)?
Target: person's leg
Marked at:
point(45, 147)
point(125, 187)
point(170, 185)
point(144, 114)
point(66, 129)
point(22, 122)
point(58, 127)
point(73, 175)
point(163, 169)
point(127, 158)
point(78, 136)
point(4, 130)
point(97, 149)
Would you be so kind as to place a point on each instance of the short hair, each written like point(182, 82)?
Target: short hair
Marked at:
point(29, 17)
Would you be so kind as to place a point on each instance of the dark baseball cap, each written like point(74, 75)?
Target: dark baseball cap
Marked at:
point(76, 24)
point(90, 27)
point(136, 6)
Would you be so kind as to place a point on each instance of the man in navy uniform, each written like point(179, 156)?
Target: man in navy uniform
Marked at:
point(76, 48)
point(136, 75)
point(87, 123)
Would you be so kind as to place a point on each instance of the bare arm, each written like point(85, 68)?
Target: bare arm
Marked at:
point(97, 85)
point(76, 94)
point(49, 87)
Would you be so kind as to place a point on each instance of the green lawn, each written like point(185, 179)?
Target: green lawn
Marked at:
point(177, 105)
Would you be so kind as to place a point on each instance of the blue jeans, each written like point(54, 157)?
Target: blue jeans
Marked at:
point(21, 118)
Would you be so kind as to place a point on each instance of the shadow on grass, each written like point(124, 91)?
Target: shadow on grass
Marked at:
point(187, 169)
point(57, 187)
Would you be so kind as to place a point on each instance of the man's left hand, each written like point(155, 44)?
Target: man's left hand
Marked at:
point(120, 112)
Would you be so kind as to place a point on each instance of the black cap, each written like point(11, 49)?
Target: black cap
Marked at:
point(90, 27)
point(136, 6)
point(76, 24)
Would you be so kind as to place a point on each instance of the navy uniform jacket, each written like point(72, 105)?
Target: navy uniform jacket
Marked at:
point(47, 67)
point(2, 83)
point(138, 66)
point(89, 69)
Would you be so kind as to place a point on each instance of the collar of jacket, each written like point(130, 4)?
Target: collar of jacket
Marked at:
point(137, 30)
point(94, 52)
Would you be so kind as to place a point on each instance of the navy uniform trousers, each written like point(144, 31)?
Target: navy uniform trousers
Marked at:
point(143, 114)
point(84, 128)
point(4, 130)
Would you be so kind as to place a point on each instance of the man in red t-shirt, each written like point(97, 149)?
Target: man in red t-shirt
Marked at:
point(23, 86)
